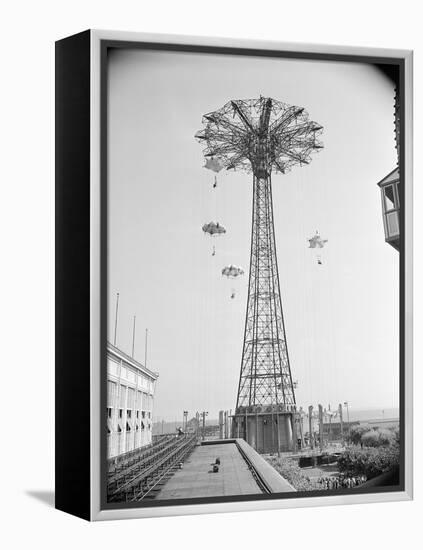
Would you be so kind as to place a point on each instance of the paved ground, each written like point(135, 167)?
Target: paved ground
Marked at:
point(196, 479)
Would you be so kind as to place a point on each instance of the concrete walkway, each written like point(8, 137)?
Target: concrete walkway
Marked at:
point(196, 479)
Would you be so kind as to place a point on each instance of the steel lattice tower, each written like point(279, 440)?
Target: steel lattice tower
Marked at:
point(265, 377)
point(260, 136)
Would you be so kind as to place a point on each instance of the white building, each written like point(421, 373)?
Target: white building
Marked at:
point(130, 393)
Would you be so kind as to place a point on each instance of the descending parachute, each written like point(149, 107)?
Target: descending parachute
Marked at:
point(214, 164)
point(232, 272)
point(317, 242)
point(214, 229)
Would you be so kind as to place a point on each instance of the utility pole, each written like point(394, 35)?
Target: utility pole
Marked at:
point(348, 420)
point(310, 426)
point(221, 424)
point(226, 424)
point(321, 427)
point(341, 420)
point(230, 434)
point(330, 424)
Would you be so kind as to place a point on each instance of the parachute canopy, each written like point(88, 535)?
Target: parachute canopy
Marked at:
point(212, 163)
point(317, 241)
point(214, 228)
point(232, 271)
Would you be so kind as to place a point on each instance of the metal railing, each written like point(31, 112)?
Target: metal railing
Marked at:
point(138, 479)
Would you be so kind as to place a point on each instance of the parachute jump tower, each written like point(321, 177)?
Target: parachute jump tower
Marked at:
point(262, 136)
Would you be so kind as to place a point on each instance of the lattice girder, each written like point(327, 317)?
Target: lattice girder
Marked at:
point(265, 377)
point(260, 135)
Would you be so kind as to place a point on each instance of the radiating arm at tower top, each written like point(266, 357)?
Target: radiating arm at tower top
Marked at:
point(260, 136)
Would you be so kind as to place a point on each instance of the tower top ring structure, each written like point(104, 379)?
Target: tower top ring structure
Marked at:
point(260, 136)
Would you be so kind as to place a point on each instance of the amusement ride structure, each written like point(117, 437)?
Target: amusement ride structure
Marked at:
point(262, 136)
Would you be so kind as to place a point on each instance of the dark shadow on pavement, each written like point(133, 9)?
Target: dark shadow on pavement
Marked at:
point(46, 497)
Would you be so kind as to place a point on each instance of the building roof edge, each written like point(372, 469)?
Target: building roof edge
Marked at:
point(131, 361)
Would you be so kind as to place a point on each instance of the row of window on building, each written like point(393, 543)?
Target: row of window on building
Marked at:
point(127, 402)
point(127, 397)
point(389, 187)
point(123, 441)
point(129, 414)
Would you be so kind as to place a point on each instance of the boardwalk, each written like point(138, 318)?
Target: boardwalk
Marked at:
point(197, 479)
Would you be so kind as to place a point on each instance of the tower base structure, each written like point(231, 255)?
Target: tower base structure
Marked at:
point(268, 429)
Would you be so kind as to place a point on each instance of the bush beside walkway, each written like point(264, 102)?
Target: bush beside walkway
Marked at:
point(288, 468)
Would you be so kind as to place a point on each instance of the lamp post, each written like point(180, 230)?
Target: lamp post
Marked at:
point(204, 414)
point(341, 420)
point(197, 424)
point(348, 420)
point(185, 421)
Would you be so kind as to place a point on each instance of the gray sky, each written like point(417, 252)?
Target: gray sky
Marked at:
point(341, 318)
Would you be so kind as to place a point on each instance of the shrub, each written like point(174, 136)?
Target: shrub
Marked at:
point(370, 462)
point(356, 433)
point(365, 436)
point(396, 435)
point(378, 438)
point(370, 439)
point(288, 468)
point(386, 437)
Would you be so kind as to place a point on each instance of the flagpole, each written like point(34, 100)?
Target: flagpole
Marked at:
point(133, 337)
point(116, 317)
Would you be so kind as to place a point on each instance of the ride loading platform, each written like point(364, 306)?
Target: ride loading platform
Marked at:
point(225, 467)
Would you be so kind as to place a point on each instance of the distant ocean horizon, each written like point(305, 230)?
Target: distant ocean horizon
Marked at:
point(354, 416)
point(372, 414)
